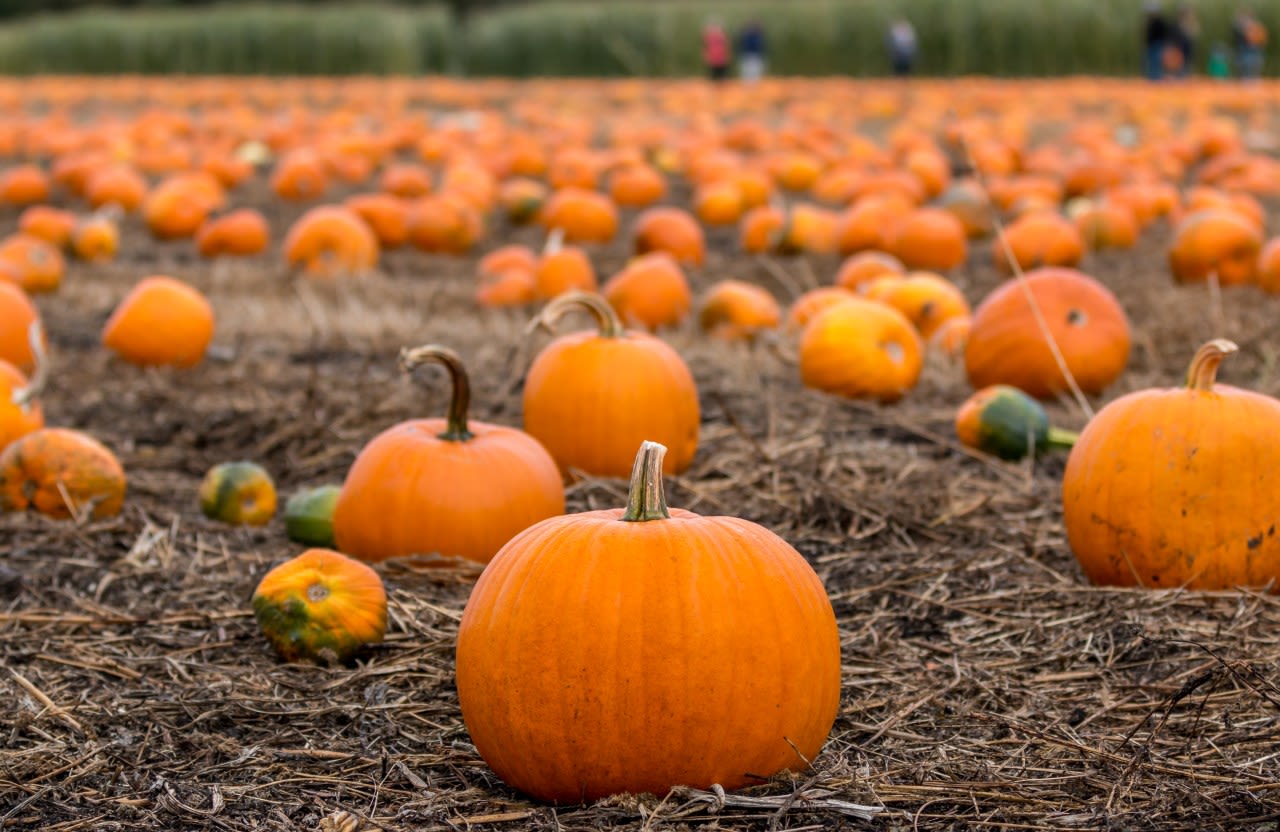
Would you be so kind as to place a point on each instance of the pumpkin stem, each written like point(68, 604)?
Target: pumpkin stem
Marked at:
point(646, 499)
point(1204, 367)
point(24, 396)
point(606, 319)
point(1060, 438)
point(411, 359)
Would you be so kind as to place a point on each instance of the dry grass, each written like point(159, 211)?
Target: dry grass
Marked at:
point(985, 684)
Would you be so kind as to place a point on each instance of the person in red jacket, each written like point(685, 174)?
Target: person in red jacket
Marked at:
point(715, 50)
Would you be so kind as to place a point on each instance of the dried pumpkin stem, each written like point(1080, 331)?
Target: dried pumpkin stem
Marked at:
point(26, 395)
point(646, 500)
point(606, 319)
point(411, 359)
point(1204, 367)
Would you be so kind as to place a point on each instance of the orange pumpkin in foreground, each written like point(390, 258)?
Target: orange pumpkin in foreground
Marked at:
point(321, 606)
point(162, 321)
point(861, 349)
point(1176, 487)
point(1006, 344)
point(61, 473)
point(592, 396)
point(448, 487)
point(620, 651)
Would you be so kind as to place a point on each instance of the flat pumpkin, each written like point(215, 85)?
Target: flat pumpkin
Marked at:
point(61, 473)
point(620, 651)
point(451, 488)
point(1177, 487)
point(321, 606)
point(592, 396)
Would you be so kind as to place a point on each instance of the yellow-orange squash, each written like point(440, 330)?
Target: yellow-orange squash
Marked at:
point(161, 321)
point(620, 651)
point(592, 396)
point(1176, 487)
point(451, 488)
point(1006, 344)
point(321, 606)
point(238, 493)
point(861, 349)
point(61, 473)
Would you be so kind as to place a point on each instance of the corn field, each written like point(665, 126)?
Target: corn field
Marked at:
point(630, 37)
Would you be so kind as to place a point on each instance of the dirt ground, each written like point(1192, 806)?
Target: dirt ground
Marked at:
point(986, 685)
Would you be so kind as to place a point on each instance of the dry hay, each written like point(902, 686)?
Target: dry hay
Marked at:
point(985, 684)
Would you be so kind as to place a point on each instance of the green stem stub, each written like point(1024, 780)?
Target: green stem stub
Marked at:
point(456, 424)
point(646, 500)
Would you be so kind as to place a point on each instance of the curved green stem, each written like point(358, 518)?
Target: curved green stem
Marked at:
point(1203, 371)
point(646, 499)
point(1060, 438)
point(606, 319)
point(411, 359)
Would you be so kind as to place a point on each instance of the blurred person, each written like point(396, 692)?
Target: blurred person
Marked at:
point(903, 46)
point(1219, 62)
point(715, 50)
point(1249, 38)
point(1155, 39)
point(1185, 35)
point(751, 51)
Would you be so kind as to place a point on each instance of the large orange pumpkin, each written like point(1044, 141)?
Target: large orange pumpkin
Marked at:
point(619, 651)
point(161, 321)
point(591, 396)
point(451, 488)
point(861, 349)
point(1006, 344)
point(61, 473)
point(1176, 487)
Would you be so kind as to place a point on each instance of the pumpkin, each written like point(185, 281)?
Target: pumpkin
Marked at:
point(1003, 421)
point(650, 292)
point(331, 241)
point(931, 239)
point(1176, 487)
point(61, 473)
point(405, 180)
point(637, 186)
point(562, 269)
point(968, 202)
point(17, 316)
point(20, 411)
point(864, 267)
point(719, 203)
point(1041, 238)
point(308, 515)
point(760, 229)
point(238, 493)
point(927, 300)
point(116, 185)
point(24, 185)
point(179, 206)
point(586, 649)
point(161, 321)
point(670, 230)
point(449, 487)
point(240, 233)
point(809, 228)
point(387, 217)
point(507, 258)
point(1217, 242)
point(321, 606)
point(809, 305)
point(861, 349)
point(1006, 344)
point(522, 199)
point(591, 396)
point(1107, 225)
point(735, 310)
point(52, 225)
point(35, 265)
point(1267, 273)
point(512, 287)
point(951, 337)
point(583, 216)
point(300, 176)
point(869, 223)
point(96, 239)
point(444, 224)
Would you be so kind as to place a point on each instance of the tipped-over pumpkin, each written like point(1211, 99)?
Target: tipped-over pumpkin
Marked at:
point(61, 473)
point(160, 322)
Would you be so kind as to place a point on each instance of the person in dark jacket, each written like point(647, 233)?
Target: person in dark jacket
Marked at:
point(1155, 39)
point(751, 52)
point(1185, 36)
point(902, 47)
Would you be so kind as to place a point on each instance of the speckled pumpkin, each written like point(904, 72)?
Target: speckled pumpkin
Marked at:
point(61, 473)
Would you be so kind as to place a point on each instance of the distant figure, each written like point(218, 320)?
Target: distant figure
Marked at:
point(1155, 39)
point(715, 50)
point(1185, 35)
point(1249, 38)
point(1219, 62)
point(902, 46)
point(751, 61)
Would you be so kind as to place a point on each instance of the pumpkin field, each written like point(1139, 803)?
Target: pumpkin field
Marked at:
point(795, 288)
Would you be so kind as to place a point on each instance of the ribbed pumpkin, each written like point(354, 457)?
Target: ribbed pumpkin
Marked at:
point(861, 349)
point(451, 488)
point(592, 396)
point(1003, 421)
point(55, 471)
point(736, 310)
point(161, 321)
point(321, 606)
point(621, 651)
point(1007, 346)
point(1177, 487)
